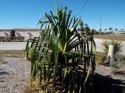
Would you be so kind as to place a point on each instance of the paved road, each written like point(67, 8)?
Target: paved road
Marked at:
point(12, 45)
point(99, 46)
point(21, 45)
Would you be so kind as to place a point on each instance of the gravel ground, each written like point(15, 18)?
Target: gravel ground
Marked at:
point(14, 75)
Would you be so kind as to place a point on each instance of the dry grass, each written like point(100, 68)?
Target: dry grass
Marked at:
point(111, 37)
point(17, 53)
point(99, 56)
point(12, 53)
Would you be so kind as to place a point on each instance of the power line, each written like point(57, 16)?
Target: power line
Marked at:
point(100, 24)
point(84, 5)
point(57, 3)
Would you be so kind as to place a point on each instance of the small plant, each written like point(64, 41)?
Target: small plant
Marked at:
point(118, 59)
point(117, 48)
point(1, 60)
point(118, 62)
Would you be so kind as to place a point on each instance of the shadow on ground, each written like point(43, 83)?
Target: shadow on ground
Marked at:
point(3, 72)
point(106, 84)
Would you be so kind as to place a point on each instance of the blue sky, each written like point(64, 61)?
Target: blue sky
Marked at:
point(26, 13)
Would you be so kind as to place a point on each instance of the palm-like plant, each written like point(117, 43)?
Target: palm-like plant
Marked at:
point(117, 46)
point(61, 59)
point(110, 29)
point(116, 29)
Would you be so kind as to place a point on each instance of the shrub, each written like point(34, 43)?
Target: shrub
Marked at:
point(62, 60)
point(118, 62)
point(117, 46)
point(12, 34)
point(117, 49)
point(1, 60)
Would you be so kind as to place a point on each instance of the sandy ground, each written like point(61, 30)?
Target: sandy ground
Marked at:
point(12, 45)
point(15, 76)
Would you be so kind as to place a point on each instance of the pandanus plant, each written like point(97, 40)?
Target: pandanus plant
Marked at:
point(62, 60)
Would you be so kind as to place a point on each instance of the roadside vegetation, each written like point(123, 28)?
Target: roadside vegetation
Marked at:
point(62, 60)
point(111, 37)
point(117, 46)
point(12, 53)
point(118, 60)
point(11, 37)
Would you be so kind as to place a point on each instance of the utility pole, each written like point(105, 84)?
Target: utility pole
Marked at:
point(100, 29)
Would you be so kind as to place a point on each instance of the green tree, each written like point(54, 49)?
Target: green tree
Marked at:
point(12, 34)
point(110, 29)
point(116, 29)
point(105, 29)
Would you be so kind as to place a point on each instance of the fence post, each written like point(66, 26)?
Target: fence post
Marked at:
point(110, 54)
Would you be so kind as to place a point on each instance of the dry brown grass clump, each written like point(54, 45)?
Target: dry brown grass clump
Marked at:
point(99, 57)
point(12, 53)
point(111, 37)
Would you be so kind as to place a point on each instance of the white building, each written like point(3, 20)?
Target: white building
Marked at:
point(119, 32)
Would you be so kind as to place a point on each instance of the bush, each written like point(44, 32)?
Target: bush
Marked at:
point(118, 62)
point(117, 48)
point(62, 61)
